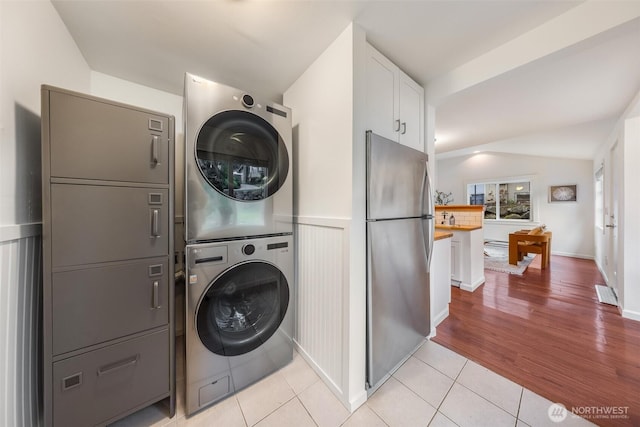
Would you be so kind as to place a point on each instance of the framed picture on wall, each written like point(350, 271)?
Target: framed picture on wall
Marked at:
point(563, 193)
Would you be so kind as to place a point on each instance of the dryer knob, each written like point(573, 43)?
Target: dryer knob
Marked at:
point(248, 249)
point(247, 101)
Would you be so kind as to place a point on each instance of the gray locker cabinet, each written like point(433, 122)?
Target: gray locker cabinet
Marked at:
point(91, 388)
point(108, 268)
point(109, 223)
point(93, 139)
point(88, 304)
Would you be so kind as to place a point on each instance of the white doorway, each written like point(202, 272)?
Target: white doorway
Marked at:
point(611, 217)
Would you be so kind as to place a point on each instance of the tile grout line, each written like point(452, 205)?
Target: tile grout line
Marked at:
point(244, 417)
point(484, 398)
point(519, 405)
point(445, 395)
point(455, 381)
point(377, 415)
point(313, 420)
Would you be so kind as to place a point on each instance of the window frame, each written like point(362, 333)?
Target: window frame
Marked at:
point(533, 200)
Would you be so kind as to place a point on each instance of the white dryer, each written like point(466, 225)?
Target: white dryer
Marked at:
point(239, 320)
point(238, 164)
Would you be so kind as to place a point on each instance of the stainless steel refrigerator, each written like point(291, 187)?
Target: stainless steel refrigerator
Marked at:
point(399, 245)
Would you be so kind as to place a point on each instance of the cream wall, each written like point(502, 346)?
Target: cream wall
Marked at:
point(571, 223)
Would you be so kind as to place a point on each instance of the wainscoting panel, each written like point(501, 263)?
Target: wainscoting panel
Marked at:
point(20, 330)
point(321, 258)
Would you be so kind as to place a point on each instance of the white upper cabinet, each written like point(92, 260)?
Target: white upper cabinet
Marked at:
point(395, 103)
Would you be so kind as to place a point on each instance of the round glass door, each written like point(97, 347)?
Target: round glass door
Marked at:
point(242, 308)
point(242, 156)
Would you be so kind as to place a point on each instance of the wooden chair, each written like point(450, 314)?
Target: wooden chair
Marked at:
point(529, 241)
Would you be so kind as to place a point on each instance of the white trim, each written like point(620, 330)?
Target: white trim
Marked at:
point(19, 231)
point(472, 287)
point(331, 222)
point(573, 255)
point(630, 314)
point(440, 317)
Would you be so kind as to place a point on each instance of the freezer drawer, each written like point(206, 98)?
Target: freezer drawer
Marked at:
point(93, 139)
point(92, 224)
point(398, 318)
point(95, 305)
point(92, 388)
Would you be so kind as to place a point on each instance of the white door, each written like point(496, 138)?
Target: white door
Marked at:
point(611, 217)
point(411, 113)
point(381, 95)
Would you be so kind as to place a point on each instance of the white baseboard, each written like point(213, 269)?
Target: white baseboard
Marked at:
point(351, 404)
point(437, 319)
point(572, 255)
point(630, 314)
point(473, 286)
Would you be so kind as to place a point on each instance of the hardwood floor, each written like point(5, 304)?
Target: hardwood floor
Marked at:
point(546, 331)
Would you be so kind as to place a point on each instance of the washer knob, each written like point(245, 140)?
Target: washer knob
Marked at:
point(247, 100)
point(248, 249)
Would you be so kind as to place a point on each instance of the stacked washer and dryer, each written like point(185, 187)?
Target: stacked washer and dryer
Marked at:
point(239, 234)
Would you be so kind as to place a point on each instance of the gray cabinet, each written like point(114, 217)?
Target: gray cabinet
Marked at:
point(102, 140)
point(108, 299)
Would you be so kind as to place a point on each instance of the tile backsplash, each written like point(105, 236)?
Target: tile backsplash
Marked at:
point(473, 216)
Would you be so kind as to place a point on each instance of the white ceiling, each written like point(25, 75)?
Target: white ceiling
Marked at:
point(264, 45)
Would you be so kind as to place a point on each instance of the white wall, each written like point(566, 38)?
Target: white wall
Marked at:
point(571, 223)
point(627, 137)
point(35, 49)
point(329, 159)
point(322, 111)
point(631, 237)
point(115, 89)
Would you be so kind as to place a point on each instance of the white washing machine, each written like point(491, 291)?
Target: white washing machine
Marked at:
point(238, 164)
point(239, 320)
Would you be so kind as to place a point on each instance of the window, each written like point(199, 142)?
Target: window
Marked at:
point(502, 200)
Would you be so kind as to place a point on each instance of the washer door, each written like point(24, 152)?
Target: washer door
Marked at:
point(242, 156)
point(242, 308)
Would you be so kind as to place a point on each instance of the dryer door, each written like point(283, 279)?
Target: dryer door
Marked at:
point(242, 156)
point(242, 308)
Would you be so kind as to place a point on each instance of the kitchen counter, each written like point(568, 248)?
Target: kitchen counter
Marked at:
point(439, 235)
point(458, 227)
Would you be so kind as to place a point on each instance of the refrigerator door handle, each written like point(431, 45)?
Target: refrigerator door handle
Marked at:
point(429, 229)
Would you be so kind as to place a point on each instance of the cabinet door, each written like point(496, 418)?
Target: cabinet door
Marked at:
point(94, 305)
point(382, 95)
point(411, 113)
point(93, 139)
point(455, 261)
point(94, 224)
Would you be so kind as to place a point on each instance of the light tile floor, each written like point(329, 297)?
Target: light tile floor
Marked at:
point(435, 387)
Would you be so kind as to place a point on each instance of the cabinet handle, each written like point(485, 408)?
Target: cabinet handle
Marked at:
point(154, 149)
point(116, 366)
point(397, 128)
point(156, 294)
point(155, 223)
point(404, 128)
